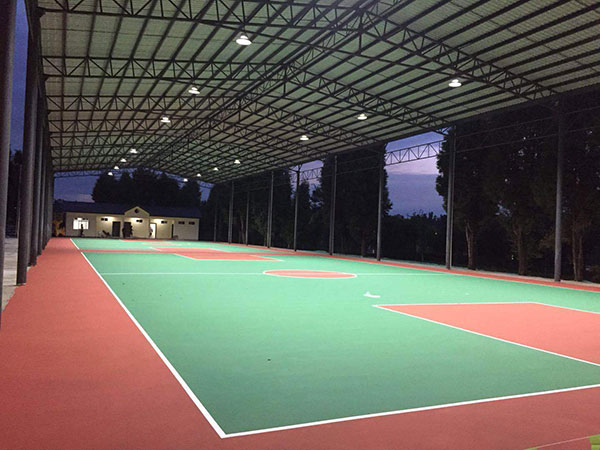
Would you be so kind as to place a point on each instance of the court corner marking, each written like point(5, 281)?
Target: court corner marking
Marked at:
point(384, 308)
point(213, 423)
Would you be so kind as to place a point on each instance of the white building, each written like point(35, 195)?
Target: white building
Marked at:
point(126, 221)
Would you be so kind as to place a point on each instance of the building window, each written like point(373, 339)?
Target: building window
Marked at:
point(181, 222)
point(139, 220)
point(81, 224)
point(192, 223)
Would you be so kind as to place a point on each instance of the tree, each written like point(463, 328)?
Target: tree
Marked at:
point(305, 238)
point(357, 205)
point(472, 204)
point(189, 195)
point(582, 186)
point(514, 174)
point(106, 189)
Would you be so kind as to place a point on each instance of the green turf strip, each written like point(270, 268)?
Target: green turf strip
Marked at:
point(261, 351)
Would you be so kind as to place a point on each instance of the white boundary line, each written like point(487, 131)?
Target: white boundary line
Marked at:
point(455, 304)
point(178, 377)
point(266, 272)
point(587, 438)
point(492, 303)
point(224, 435)
point(382, 307)
point(228, 260)
point(180, 273)
point(567, 307)
point(228, 273)
point(411, 410)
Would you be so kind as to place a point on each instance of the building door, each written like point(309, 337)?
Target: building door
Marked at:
point(152, 231)
point(116, 229)
point(127, 230)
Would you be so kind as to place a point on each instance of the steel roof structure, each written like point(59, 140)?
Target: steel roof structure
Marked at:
point(114, 68)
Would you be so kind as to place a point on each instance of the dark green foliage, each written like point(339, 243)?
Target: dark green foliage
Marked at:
point(356, 201)
point(145, 187)
point(419, 237)
point(472, 204)
point(506, 194)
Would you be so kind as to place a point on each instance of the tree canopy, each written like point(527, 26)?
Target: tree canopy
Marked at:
point(145, 187)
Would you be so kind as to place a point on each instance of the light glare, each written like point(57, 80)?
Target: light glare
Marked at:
point(243, 40)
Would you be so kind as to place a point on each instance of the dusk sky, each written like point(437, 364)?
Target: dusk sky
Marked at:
point(411, 185)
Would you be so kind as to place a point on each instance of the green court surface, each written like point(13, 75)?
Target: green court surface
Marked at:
point(261, 351)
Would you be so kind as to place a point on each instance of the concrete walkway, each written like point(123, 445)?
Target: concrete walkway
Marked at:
point(10, 270)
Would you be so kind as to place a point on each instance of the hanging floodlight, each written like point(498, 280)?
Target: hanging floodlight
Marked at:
point(185, 180)
point(243, 40)
point(216, 169)
point(194, 90)
point(165, 119)
point(455, 83)
point(116, 167)
point(110, 174)
point(133, 151)
point(304, 137)
point(123, 160)
point(237, 161)
point(198, 175)
point(362, 116)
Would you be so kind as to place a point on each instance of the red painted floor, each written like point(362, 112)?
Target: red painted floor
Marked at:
point(559, 330)
point(75, 373)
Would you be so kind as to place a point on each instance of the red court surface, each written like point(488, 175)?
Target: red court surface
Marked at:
point(554, 329)
point(299, 273)
point(76, 373)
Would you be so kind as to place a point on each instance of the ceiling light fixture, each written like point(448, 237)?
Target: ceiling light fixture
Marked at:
point(116, 167)
point(243, 40)
point(185, 180)
point(304, 137)
point(216, 169)
point(237, 161)
point(110, 174)
point(198, 175)
point(123, 160)
point(165, 119)
point(362, 116)
point(455, 83)
point(194, 90)
point(133, 151)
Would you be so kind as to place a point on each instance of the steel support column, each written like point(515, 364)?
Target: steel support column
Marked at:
point(230, 222)
point(332, 207)
point(296, 210)
point(29, 146)
point(450, 201)
point(270, 212)
point(49, 200)
point(380, 204)
point(46, 199)
point(247, 216)
point(43, 187)
point(216, 216)
point(37, 188)
point(7, 21)
point(560, 156)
